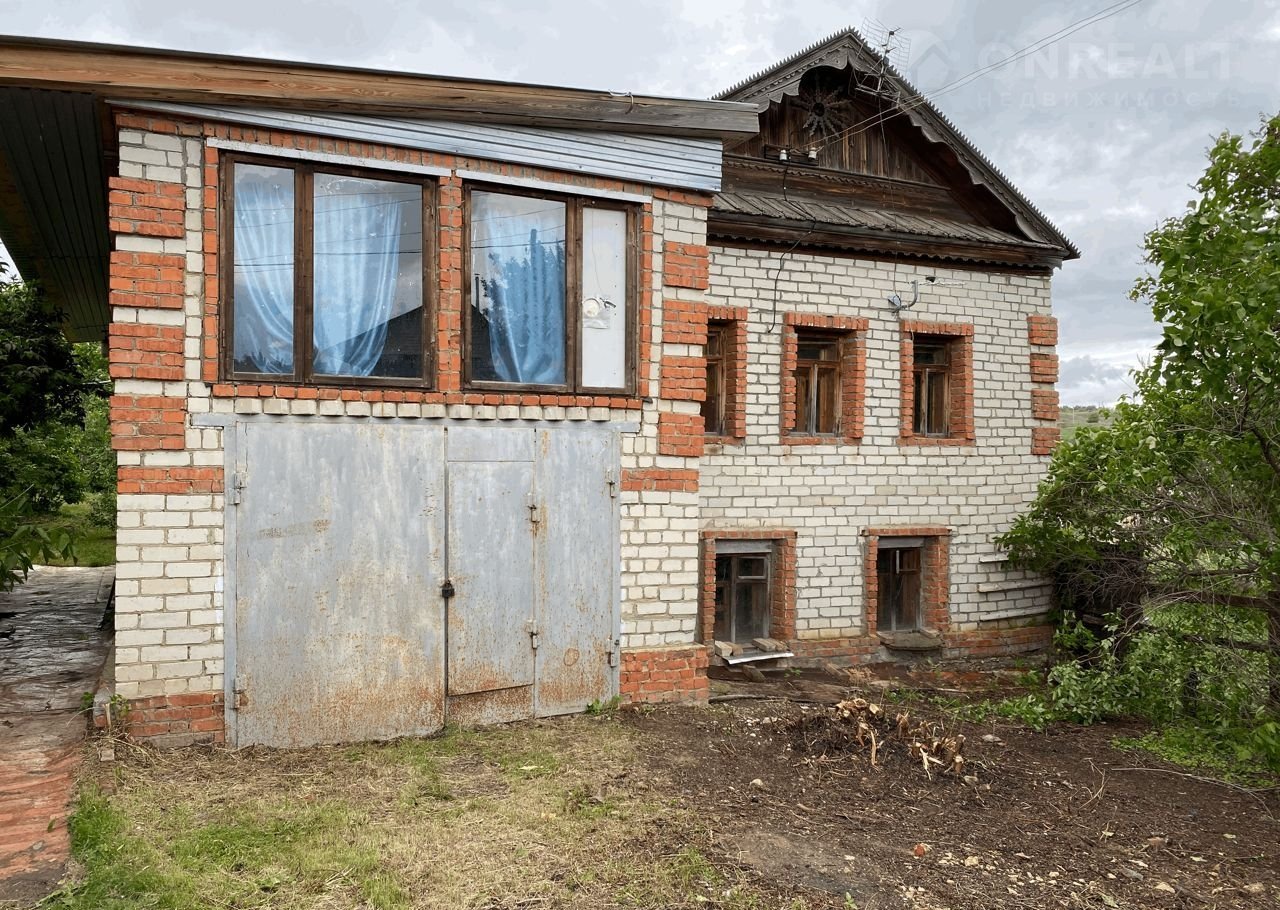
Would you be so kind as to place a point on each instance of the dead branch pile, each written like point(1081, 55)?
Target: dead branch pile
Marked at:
point(860, 727)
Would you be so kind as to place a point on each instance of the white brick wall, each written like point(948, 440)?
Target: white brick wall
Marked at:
point(830, 494)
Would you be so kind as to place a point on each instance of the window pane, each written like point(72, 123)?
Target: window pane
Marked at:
point(262, 270)
point(919, 423)
point(827, 378)
point(937, 403)
point(803, 401)
point(712, 406)
point(930, 352)
point(751, 611)
point(724, 568)
point(752, 567)
point(367, 287)
point(517, 289)
point(604, 298)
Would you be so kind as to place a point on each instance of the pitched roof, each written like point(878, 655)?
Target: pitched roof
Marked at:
point(847, 48)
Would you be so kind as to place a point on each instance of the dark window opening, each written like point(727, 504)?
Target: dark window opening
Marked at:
point(713, 404)
point(817, 377)
point(932, 375)
point(742, 596)
point(899, 573)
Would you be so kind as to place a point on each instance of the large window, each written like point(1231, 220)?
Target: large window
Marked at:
point(327, 275)
point(551, 292)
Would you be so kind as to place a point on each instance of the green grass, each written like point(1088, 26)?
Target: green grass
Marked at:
point(541, 814)
point(91, 544)
point(1202, 750)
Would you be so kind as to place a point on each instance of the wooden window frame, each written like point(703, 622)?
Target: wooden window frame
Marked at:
point(574, 206)
point(960, 383)
point(816, 367)
point(851, 331)
point(781, 544)
point(717, 365)
point(948, 346)
point(766, 553)
point(917, 609)
point(303, 374)
point(935, 576)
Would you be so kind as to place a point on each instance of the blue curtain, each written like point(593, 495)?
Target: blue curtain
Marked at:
point(518, 248)
point(357, 253)
point(263, 267)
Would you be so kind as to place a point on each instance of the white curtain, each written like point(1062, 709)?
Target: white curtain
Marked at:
point(263, 266)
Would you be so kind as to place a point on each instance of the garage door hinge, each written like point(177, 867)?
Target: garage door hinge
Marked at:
point(612, 482)
point(239, 697)
point(613, 652)
point(532, 503)
point(532, 628)
point(238, 481)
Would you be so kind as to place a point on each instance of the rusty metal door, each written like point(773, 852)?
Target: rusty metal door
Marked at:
point(577, 555)
point(492, 518)
point(338, 541)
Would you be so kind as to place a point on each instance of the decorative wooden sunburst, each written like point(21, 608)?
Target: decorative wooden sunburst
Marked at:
point(829, 110)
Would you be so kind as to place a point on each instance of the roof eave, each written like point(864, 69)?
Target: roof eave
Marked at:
point(184, 76)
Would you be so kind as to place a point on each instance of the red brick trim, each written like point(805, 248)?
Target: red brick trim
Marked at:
point(146, 207)
point(175, 480)
point(684, 323)
point(960, 421)
point(935, 591)
point(671, 480)
point(735, 391)
point(148, 422)
point(673, 674)
point(175, 720)
point(1044, 368)
point(147, 279)
point(1042, 330)
point(782, 605)
point(1044, 404)
point(684, 378)
point(999, 639)
point(686, 265)
point(1044, 440)
point(853, 372)
point(140, 350)
point(680, 434)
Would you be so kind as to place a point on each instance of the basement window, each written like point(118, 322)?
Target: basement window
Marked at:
point(817, 377)
point(326, 274)
point(551, 292)
point(743, 595)
point(899, 570)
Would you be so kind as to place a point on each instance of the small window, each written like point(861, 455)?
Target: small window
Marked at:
point(932, 369)
point(742, 596)
point(713, 406)
point(817, 377)
point(550, 292)
point(326, 275)
point(899, 573)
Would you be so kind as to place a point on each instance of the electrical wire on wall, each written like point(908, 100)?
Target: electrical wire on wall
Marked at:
point(782, 260)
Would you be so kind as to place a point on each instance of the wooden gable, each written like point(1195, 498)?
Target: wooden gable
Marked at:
point(848, 147)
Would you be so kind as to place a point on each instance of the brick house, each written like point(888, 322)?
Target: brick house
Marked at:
point(442, 399)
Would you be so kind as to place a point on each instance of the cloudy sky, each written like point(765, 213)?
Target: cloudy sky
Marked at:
point(1104, 130)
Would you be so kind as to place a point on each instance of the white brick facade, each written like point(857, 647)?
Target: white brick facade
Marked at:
point(830, 494)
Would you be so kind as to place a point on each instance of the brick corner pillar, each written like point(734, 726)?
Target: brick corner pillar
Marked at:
point(1042, 336)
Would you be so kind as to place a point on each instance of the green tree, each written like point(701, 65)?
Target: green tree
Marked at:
point(42, 408)
point(1177, 503)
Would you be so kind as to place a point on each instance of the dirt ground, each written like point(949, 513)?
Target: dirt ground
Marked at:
point(1055, 819)
point(726, 806)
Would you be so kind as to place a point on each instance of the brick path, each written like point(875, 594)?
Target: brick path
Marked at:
point(52, 651)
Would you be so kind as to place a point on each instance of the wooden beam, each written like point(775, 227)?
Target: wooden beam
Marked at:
point(750, 229)
point(130, 73)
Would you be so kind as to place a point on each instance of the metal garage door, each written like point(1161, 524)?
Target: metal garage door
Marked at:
point(390, 577)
